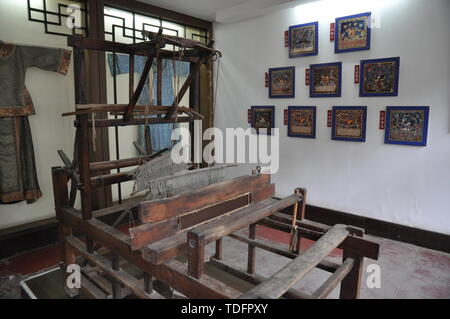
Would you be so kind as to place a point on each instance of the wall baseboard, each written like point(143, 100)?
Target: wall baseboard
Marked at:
point(31, 236)
point(376, 227)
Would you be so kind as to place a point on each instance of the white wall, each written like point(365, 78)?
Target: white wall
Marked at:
point(53, 94)
point(401, 184)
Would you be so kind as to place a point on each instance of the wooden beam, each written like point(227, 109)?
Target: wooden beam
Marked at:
point(127, 162)
point(254, 279)
point(201, 235)
point(279, 283)
point(148, 233)
point(140, 86)
point(138, 121)
point(119, 275)
point(173, 273)
point(350, 285)
point(360, 246)
point(192, 75)
point(245, 216)
point(334, 279)
point(281, 251)
point(158, 210)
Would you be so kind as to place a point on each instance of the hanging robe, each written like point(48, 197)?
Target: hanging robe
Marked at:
point(18, 178)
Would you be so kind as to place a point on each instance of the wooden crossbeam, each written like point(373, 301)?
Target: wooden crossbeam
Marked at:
point(281, 251)
point(173, 273)
point(201, 235)
point(279, 283)
point(146, 234)
point(254, 279)
point(159, 210)
point(334, 279)
point(360, 246)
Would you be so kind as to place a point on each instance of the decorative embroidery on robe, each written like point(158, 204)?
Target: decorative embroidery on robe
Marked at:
point(160, 133)
point(18, 178)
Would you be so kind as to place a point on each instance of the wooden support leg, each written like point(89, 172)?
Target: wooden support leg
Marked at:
point(148, 283)
point(218, 254)
point(116, 288)
point(251, 250)
point(60, 194)
point(196, 253)
point(350, 286)
point(300, 216)
point(69, 259)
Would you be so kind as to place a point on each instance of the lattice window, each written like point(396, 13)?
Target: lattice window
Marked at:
point(126, 26)
point(60, 17)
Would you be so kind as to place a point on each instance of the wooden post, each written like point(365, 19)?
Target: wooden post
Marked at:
point(116, 287)
point(251, 250)
point(196, 253)
point(350, 286)
point(148, 283)
point(218, 254)
point(60, 194)
point(302, 216)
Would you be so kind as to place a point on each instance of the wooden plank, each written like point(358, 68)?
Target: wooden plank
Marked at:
point(173, 246)
point(173, 273)
point(334, 279)
point(245, 216)
point(91, 290)
point(158, 210)
point(109, 179)
point(117, 274)
point(201, 235)
point(350, 285)
point(279, 283)
point(254, 278)
point(360, 246)
point(282, 251)
point(149, 233)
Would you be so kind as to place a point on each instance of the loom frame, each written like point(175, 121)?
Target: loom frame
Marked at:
point(189, 220)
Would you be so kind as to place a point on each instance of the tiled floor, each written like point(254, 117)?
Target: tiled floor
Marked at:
point(407, 271)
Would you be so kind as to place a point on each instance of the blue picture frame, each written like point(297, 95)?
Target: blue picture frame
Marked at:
point(365, 79)
point(280, 72)
point(292, 109)
point(333, 67)
point(263, 108)
point(315, 51)
point(348, 19)
point(336, 135)
point(416, 113)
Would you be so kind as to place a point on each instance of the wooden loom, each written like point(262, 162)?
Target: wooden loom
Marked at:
point(182, 225)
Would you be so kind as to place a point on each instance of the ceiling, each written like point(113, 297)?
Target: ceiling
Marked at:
point(224, 11)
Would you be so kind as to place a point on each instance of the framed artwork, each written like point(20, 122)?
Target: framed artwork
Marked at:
point(325, 79)
point(406, 125)
point(302, 121)
point(263, 117)
point(282, 82)
point(379, 77)
point(352, 33)
point(304, 40)
point(349, 123)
